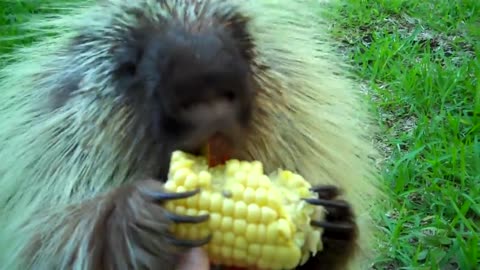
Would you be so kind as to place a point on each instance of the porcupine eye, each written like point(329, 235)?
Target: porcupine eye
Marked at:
point(127, 62)
point(128, 68)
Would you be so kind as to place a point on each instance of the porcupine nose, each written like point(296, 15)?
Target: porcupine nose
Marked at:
point(208, 71)
point(208, 79)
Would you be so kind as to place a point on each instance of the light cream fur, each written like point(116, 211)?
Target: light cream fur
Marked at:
point(310, 119)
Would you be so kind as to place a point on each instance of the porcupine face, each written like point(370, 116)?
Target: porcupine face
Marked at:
point(188, 80)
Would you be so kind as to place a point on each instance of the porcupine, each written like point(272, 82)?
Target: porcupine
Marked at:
point(91, 114)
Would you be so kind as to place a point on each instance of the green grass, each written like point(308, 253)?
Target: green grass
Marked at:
point(418, 61)
point(13, 13)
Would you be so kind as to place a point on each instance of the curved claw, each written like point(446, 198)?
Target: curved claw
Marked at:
point(164, 196)
point(189, 243)
point(326, 191)
point(336, 231)
point(327, 203)
point(186, 219)
point(333, 227)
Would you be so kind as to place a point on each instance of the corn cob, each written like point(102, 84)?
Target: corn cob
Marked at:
point(257, 221)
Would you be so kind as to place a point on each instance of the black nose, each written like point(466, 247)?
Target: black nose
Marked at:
point(202, 68)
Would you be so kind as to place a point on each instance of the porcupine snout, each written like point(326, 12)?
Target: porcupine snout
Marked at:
point(199, 82)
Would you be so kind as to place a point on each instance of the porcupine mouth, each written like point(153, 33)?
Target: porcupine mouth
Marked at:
point(218, 149)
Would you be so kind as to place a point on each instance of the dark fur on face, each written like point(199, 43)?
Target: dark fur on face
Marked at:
point(187, 84)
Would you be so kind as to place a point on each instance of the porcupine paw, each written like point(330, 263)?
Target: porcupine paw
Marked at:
point(339, 223)
point(161, 197)
point(340, 230)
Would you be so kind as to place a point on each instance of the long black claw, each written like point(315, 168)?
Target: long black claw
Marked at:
point(327, 203)
point(186, 219)
point(189, 243)
point(333, 227)
point(326, 191)
point(164, 196)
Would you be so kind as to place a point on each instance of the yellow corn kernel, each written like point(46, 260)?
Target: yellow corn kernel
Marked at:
point(256, 220)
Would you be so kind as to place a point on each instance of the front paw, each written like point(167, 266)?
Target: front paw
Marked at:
point(154, 193)
point(340, 231)
point(139, 228)
point(339, 223)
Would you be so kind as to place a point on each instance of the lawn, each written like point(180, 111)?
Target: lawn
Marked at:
point(417, 61)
